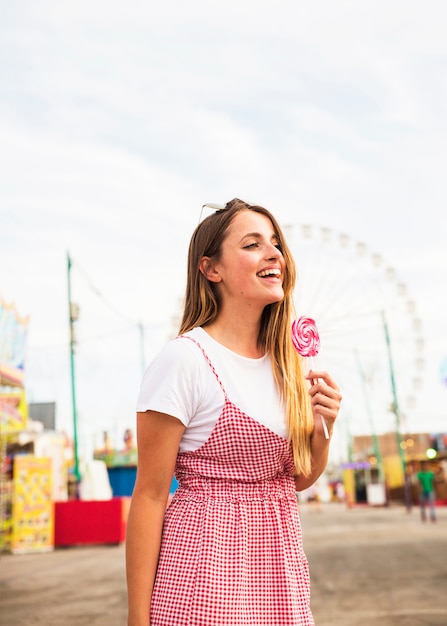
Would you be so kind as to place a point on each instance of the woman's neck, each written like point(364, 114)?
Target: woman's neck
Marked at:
point(238, 335)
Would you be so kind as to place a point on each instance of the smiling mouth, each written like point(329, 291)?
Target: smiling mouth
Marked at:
point(269, 273)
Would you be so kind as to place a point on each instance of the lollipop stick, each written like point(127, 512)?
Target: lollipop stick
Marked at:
point(311, 359)
point(325, 430)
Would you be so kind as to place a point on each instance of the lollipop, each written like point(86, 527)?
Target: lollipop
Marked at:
point(306, 341)
point(305, 336)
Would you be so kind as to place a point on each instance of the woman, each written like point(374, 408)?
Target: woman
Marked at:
point(227, 408)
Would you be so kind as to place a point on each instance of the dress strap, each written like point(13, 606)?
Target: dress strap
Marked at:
point(208, 361)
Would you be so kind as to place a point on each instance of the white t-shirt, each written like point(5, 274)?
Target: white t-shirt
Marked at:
point(180, 382)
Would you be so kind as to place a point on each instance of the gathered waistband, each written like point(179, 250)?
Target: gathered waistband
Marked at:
point(200, 488)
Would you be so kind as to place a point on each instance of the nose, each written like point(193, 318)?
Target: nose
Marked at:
point(273, 252)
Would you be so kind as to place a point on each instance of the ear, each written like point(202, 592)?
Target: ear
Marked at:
point(209, 270)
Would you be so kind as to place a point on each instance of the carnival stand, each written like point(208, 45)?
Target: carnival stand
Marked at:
point(26, 476)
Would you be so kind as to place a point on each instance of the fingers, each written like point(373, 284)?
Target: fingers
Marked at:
point(325, 395)
point(314, 376)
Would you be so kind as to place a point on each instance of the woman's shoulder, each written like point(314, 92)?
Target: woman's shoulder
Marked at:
point(179, 363)
point(178, 351)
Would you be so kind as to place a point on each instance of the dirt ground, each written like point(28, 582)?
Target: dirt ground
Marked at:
point(369, 566)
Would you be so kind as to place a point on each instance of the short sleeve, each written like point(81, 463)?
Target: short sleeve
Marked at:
point(172, 383)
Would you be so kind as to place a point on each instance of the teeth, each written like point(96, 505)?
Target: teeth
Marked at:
point(270, 273)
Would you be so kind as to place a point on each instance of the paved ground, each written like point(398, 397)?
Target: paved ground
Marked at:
point(369, 566)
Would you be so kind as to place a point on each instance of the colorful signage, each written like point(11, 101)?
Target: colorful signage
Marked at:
point(13, 412)
point(32, 505)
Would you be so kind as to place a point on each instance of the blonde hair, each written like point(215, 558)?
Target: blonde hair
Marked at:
point(202, 305)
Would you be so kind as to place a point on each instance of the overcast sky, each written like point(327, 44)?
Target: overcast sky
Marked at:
point(119, 120)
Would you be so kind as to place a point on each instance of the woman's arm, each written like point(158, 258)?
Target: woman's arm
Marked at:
point(158, 437)
point(325, 399)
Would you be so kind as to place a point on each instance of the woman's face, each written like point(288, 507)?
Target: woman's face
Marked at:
point(251, 266)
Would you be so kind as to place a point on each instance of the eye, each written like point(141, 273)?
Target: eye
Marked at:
point(278, 246)
point(251, 245)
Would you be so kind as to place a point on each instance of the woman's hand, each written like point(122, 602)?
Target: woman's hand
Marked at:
point(325, 399)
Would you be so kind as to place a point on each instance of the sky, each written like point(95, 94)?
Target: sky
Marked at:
point(119, 120)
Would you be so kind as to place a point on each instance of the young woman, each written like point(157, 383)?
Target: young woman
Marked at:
point(227, 408)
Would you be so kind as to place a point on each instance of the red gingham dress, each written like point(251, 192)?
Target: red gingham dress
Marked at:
point(231, 551)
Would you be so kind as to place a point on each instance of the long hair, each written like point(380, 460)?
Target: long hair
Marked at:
point(202, 305)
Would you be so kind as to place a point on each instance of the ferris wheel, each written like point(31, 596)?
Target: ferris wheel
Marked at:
point(371, 336)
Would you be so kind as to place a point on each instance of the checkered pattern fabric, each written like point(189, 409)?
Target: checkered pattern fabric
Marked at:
point(231, 552)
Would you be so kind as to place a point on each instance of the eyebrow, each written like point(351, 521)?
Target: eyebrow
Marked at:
point(259, 236)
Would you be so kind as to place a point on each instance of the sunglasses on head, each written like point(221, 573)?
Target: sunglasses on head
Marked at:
point(213, 206)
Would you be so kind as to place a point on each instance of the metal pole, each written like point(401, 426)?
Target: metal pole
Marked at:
point(72, 319)
point(396, 413)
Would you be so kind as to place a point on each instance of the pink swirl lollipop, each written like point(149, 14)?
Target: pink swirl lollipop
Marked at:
point(306, 341)
point(305, 337)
